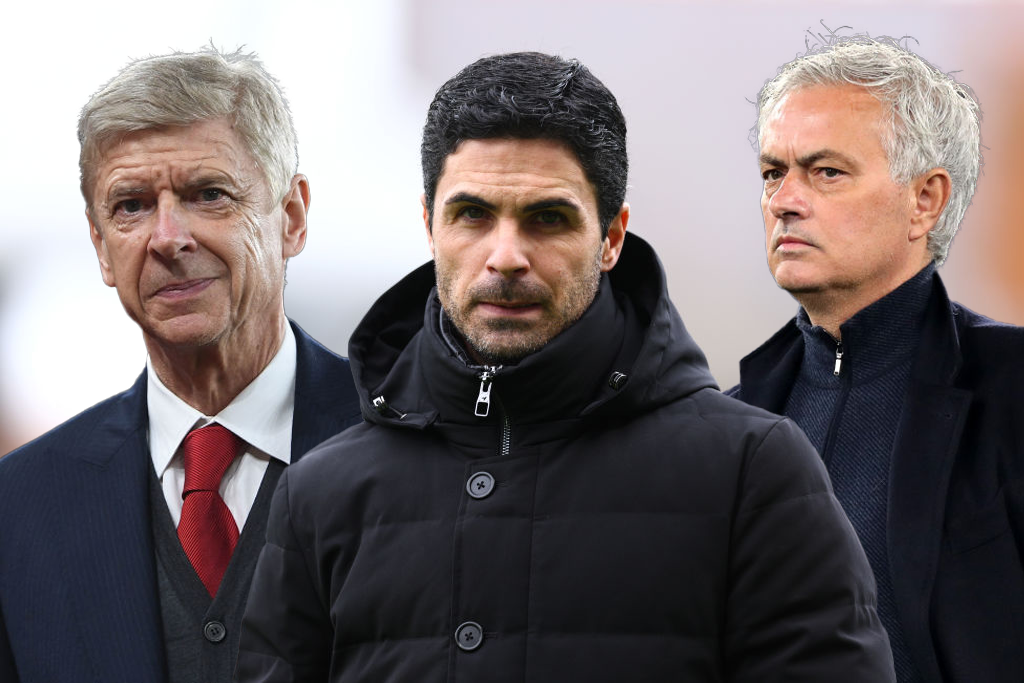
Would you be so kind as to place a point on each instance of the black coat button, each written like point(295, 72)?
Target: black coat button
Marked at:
point(214, 631)
point(469, 636)
point(480, 485)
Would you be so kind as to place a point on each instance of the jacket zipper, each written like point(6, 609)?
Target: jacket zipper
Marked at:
point(483, 397)
point(483, 406)
point(833, 427)
point(506, 434)
point(382, 407)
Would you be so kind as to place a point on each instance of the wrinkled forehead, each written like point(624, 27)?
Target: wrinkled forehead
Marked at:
point(206, 143)
point(822, 112)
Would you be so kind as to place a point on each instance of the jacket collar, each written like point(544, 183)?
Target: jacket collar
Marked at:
point(110, 545)
point(326, 401)
point(767, 373)
point(931, 425)
point(400, 356)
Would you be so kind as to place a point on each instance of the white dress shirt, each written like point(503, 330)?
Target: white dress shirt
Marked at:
point(261, 416)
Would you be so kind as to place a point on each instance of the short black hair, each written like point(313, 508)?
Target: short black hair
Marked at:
point(531, 95)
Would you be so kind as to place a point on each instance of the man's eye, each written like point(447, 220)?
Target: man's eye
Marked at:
point(128, 206)
point(830, 172)
point(771, 174)
point(473, 213)
point(550, 217)
point(211, 194)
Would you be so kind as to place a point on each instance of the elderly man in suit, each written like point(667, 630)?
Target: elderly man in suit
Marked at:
point(870, 157)
point(129, 534)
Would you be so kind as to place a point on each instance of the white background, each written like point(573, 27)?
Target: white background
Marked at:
point(359, 77)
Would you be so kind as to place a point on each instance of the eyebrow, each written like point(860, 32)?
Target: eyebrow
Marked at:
point(552, 204)
point(132, 188)
point(126, 189)
point(467, 198)
point(810, 159)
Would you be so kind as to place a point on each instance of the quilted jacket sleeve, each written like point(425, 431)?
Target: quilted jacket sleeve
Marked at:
point(802, 600)
point(286, 631)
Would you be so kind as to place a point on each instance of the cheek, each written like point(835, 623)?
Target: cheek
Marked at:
point(443, 273)
point(766, 216)
point(127, 260)
point(253, 250)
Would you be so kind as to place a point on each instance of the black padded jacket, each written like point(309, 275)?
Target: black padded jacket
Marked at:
point(598, 512)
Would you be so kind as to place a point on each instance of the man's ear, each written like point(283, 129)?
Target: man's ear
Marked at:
point(931, 192)
point(295, 204)
point(100, 245)
point(426, 224)
point(612, 247)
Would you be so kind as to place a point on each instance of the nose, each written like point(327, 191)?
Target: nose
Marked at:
point(789, 198)
point(171, 235)
point(508, 254)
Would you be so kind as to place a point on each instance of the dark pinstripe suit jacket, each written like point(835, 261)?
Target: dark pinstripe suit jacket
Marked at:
point(78, 596)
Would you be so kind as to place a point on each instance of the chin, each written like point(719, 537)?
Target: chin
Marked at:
point(797, 287)
point(795, 279)
point(186, 332)
point(507, 349)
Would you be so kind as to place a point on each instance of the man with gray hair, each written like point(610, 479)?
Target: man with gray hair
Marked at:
point(870, 157)
point(129, 534)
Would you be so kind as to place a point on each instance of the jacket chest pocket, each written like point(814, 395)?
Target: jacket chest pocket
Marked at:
point(968, 532)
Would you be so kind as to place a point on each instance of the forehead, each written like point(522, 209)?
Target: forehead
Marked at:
point(824, 116)
point(210, 145)
point(515, 167)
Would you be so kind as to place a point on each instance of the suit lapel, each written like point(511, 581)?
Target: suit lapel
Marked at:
point(768, 373)
point(106, 546)
point(325, 396)
point(931, 425)
point(109, 546)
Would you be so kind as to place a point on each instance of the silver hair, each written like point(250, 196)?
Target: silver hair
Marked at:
point(933, 121)
point(183, 88)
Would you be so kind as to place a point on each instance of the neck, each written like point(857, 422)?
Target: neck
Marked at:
point(210, 376)
point(831, 307)
point(827, 315)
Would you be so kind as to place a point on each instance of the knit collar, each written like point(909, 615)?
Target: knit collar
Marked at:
point(875, 339)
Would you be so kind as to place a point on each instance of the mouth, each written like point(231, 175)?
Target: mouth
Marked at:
point(791, 243)
point(508, 308)
point(183, 289)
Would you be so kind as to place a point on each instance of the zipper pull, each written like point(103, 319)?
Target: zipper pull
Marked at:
point(382, 407)
point(483, 397)
point(839, 358)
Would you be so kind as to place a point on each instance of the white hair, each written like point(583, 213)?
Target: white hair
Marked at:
point(183, 88)
point(932, 120)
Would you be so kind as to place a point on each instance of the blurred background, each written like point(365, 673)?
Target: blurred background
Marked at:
point(359, 76)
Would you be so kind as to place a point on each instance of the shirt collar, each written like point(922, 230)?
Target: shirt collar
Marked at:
point(261, 415)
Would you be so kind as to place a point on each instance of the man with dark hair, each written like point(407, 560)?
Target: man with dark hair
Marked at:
point(549, 486)
point(870, 157)
point(129, 534)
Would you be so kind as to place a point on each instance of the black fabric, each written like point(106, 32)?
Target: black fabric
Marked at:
point(955, 490)
point(654, 532)
point(874, 361)
point(186, 608)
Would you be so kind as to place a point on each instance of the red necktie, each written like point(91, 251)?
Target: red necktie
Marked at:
point(207, 530)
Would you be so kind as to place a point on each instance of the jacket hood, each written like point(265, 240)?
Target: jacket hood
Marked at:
point(627, 354)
